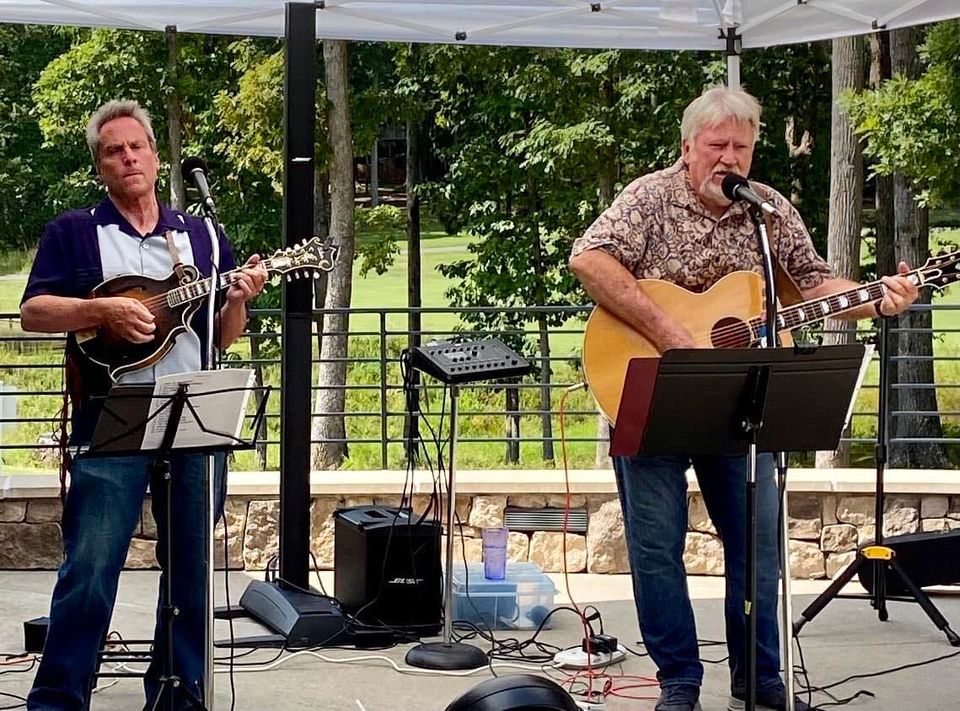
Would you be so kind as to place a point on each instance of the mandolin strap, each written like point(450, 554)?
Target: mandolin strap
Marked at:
point(175, 257)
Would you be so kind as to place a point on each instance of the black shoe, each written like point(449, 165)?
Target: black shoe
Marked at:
point(679, 697)
point(773, 699)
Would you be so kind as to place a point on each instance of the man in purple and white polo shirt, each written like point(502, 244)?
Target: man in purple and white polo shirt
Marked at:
point(124, 234)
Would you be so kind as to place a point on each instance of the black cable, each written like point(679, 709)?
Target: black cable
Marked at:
point(21, 699)
point(226, 592)
point(884, 672)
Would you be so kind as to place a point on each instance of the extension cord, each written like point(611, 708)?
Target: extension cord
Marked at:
point(576, 658)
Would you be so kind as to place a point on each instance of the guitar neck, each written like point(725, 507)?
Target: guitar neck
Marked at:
point(200, 288)
point(815, 310)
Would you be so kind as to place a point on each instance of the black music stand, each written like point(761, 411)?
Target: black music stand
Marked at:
point(122, 429)
point(738, 401)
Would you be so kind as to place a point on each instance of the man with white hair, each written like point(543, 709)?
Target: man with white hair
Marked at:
point(128, 232)
point(677, 225)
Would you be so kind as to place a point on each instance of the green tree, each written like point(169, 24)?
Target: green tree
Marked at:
point(912, 125)
point(26, 166)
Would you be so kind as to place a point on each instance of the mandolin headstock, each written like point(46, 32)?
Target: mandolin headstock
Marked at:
point(312, 256)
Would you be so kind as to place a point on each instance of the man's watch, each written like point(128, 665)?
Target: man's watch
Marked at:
point(876, 307)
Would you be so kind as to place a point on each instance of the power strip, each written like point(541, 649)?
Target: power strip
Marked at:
point(576, 658)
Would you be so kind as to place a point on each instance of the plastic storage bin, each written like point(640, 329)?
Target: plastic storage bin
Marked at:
point(521, 600)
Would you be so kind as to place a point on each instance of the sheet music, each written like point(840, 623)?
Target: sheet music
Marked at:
point(218, 412)
point(864, 366)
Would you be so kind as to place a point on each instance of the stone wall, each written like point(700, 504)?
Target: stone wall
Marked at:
point(825, 530)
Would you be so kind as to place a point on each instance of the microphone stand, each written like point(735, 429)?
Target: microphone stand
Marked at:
point(211, 221)
point(769, 339)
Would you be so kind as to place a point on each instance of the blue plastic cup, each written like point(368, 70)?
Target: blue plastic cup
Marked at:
point(494, 553)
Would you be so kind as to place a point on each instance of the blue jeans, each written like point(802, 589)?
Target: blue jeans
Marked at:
point(653, 494)
point(100, 514)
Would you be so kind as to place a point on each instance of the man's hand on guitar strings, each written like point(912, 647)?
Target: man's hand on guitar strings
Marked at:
point(248, 281)
point(126, 317)
point(900, 292)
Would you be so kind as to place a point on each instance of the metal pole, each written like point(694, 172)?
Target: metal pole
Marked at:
point(451, 518)
point(209, 468)
point(300, 80)
point(734, 48)
point(786, 607)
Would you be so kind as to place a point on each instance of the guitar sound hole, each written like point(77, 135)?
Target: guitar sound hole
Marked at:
point(730, 333)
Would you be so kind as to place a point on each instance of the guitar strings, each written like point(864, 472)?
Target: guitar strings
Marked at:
point(161, 299)
point(731, 336)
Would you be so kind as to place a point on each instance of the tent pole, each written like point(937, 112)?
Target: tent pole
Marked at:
point(734, 48)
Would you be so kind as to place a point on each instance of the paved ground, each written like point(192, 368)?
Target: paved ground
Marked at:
point(846, 639)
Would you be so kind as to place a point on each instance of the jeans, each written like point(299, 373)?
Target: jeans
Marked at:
point(653, 494)
point(101, 512)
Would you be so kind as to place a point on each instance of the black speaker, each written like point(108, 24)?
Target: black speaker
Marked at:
point(386, 567)
point(515, 692)
point(926, 558)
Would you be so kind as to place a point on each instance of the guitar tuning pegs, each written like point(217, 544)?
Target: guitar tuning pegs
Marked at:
point(316, 274)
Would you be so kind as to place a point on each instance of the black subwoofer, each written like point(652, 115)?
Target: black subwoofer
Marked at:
point(926, 558)
point(386, 568)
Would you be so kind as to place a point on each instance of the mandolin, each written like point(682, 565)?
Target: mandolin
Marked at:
point(728, 315)
point(173, 302)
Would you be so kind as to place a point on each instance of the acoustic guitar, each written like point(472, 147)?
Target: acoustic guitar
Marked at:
point(173, 302)
point(728, 315)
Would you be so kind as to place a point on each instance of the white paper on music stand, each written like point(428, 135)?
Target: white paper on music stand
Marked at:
point(217, 412)
point(864, 366)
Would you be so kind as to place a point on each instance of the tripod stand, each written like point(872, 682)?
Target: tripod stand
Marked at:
point(169, 683)
point(878, 556)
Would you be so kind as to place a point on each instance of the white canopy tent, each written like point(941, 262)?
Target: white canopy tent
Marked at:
point(638, 24)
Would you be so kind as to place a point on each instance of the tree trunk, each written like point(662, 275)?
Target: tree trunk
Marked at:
point(609, 168)
point(260, 435)
point(411, 424)
point(332, 371)
point(546, 416)
point(321, 227)
point(178, 195)
point(374, 185)
point(846, 198)
point(913, 247)
point(880, 71)
point(512, 402)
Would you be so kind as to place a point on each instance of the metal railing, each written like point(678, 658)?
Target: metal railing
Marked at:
point(502, 424)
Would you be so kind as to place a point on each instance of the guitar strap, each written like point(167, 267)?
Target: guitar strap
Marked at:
point(788, 293)
point(175, 257)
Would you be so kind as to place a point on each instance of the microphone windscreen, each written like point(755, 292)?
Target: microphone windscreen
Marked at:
point(190, 164)
point(730, 183)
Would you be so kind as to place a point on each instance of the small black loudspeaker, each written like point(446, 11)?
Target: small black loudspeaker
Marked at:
point(515, 692)
point(386, 567)
point(926, 558)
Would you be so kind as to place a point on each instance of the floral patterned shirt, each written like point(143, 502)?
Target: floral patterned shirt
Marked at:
point(658, 229)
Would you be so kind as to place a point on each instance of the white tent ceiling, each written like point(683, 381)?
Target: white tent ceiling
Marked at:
point(647, 24)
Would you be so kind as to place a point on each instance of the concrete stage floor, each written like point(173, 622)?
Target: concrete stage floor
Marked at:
point(845, 639)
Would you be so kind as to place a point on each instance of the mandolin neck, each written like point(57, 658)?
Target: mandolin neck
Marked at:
point(200, 288)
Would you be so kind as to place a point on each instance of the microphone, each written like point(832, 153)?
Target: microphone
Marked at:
point(736, 187)
point(194, 171)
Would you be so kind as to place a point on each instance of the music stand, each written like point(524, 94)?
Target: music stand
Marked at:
point(733, 402)
point(132, 418)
